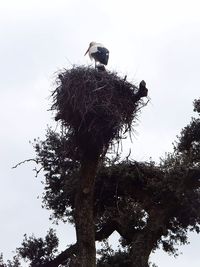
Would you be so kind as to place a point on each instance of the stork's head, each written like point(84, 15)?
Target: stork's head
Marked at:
point(90, 45)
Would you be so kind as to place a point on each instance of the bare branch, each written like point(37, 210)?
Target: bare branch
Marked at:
point(61, 258)
point(22, 162)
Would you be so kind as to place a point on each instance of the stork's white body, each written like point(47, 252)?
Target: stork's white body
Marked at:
point(93, 49)
point(98, 52)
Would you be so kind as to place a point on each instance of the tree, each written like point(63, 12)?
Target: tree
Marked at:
point(95, 107)
point(150, 205)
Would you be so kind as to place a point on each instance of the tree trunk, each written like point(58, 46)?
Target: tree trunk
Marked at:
point(140, 251)
point(84, 217)
point(145, 241)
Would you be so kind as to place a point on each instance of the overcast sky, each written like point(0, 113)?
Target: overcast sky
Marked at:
point(158, 41)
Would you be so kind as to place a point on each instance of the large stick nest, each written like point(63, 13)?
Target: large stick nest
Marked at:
point(95, 106)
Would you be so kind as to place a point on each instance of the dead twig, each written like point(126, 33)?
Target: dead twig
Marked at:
point(22, 162)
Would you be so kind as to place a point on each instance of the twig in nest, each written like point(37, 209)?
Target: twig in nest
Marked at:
point(127, 157)
point(22, 162)
point(37, 171)
point(99, 88)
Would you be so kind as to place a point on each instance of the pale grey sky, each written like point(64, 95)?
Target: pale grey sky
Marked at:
point(157, 41)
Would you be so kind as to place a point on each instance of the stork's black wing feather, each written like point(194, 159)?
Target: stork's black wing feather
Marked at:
point(102, 55)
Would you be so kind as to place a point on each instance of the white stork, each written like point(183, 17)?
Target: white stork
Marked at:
point(99, 53)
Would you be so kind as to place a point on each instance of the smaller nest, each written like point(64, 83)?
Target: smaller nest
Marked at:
point(95, 106)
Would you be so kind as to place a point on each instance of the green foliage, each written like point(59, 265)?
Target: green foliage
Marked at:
point(10, 263)
point(189, 140)
point(157, 203)
point(38, 250)
point(60, 166)
point(131, 193)
point(111, 258)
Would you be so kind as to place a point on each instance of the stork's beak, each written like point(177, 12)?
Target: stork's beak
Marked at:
point(87, 51)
